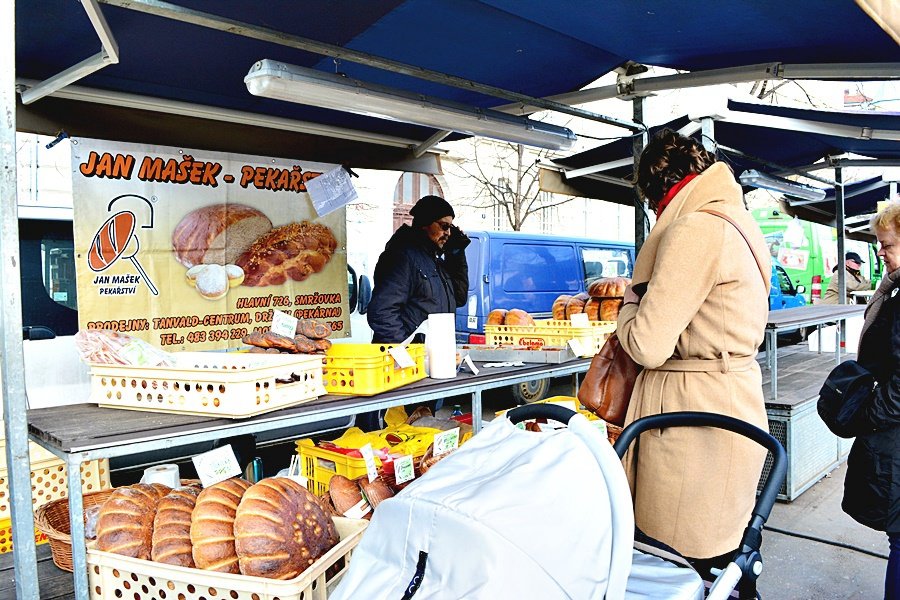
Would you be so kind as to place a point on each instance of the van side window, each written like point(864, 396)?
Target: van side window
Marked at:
point(49, 296)
point(539, 267)
point(473, 251)
point(784, 282)
point(605, 262)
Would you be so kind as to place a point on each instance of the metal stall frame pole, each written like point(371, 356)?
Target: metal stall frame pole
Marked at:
point(12, 362)
point(840, 334)
point(641, 226)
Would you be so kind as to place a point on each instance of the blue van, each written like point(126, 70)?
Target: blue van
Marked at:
point(784, 294)
point(528, 271)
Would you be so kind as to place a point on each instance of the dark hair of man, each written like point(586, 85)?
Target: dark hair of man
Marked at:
point(667, 159)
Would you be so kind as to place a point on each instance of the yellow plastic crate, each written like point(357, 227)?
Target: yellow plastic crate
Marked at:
point(368, 369)
point(551, 334)
point(319, 465)
point(565, 401)
point(6, 541)
point(111, 576)
point(48, 477)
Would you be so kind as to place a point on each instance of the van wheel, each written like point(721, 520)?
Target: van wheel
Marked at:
point(530, 391)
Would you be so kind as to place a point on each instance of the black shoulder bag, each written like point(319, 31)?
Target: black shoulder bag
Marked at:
point(844, 395)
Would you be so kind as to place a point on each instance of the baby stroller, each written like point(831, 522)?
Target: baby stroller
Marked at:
point(522, 515)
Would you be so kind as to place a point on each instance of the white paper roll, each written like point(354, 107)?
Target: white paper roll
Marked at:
point(440, 346)
point(164, 474)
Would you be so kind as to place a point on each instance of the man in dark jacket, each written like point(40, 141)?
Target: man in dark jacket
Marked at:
point(422, 271)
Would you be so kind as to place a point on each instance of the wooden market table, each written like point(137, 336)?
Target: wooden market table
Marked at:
point(804, 316)
point(84, 432)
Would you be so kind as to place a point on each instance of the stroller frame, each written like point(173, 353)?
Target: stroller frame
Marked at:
point(746, 565)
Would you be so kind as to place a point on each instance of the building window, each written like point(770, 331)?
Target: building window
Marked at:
point(410, 187)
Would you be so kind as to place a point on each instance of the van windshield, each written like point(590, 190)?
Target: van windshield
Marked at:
point(605, 262)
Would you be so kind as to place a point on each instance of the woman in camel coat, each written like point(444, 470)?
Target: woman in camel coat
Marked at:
point(694, 319)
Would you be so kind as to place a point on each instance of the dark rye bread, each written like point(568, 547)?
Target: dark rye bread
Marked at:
point(280, 529)
point(125, 520)
point(212, 526)
point(217, 234)
point(172, 528)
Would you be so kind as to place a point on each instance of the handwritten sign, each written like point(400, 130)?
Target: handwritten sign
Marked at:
point(284, 324)
point(216, 465)
point(331, 190)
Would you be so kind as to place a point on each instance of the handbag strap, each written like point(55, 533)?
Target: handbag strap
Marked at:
point(746, 239)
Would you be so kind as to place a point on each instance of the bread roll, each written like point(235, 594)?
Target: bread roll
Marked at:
point(212, 526)
point(125, 521)
point(212, 282)
point(496, 317)
point(609, 309)
point(375, 491)
point(217, 234)
point(609, 287)
point(559, 307)
point(172, 528)
point(314, 330)
point(294, 251)
point(519, 317)
point(345, 493)
point(281, 529)
point(592, 309)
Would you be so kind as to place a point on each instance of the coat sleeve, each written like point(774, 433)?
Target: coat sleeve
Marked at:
point(884, 410)
point(457, 268)
point(686, 270)
point(393, 285)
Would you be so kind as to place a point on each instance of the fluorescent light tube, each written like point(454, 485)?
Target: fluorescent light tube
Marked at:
point(754, 178)
point(271, 79)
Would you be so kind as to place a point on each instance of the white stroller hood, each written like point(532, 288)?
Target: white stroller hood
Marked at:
point(512, 514)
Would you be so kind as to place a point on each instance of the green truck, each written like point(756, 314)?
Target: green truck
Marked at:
point(805, 249)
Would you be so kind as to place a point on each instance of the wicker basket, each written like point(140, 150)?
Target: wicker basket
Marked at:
point(52, 519)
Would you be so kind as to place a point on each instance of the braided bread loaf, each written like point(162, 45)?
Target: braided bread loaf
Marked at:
point(281, 529)
point(212, 526)
point(172, 528)
point(125, 521)
point(292, 251)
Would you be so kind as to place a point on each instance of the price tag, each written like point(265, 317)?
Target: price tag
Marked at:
point(470, 364)
point(358, 510)
point(580, 320)
point(402, 357)
point(601, 425)
point(446, 441)
point(403, 469)
point(284, 324)
point(369, 458)
point(216, 465)
point(578, 347)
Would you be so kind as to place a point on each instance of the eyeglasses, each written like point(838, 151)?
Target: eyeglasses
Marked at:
point(444, 225)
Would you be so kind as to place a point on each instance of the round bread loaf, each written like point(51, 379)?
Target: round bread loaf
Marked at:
point(518, 316)
point(125, 521)
point(172, 528)
point(609, 287)
point(496, 317)
point(212, 526)
point(575, 304)
point(217, 234)
point(345, 493)
point(559, 307)
point(375, 491)
point(592, 309)
point(609, 309)
point(281, 529)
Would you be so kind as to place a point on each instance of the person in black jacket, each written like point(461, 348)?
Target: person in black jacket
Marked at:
point(872, 485)
point(422, 271)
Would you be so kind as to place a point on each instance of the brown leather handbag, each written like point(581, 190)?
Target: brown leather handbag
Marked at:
point(609, 381)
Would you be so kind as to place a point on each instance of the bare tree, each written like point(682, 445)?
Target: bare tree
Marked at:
point(507, 178)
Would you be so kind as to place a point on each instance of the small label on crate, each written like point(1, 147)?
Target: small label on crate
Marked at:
point(403, 469)
point(284, 324)
point(446, 441)
point(358, 510)
point(216, 465)
point(601, 425)
point(369, 457)
point(578, 347)
point(580, 320)
point(402, 357)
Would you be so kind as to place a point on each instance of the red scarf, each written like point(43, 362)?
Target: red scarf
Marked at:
point(673, 191)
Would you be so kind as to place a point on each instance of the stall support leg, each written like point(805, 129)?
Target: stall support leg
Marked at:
point(819, 336)
point(772, 356)
point(575, 384)
point(476, 411)
point(838, 336)
point(76, 520)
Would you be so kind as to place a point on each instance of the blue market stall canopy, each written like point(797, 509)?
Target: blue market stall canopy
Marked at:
point(749, 136)
point(529, 47)
point(861, 200)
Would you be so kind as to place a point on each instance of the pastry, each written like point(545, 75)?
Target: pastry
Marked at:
point(294, 251)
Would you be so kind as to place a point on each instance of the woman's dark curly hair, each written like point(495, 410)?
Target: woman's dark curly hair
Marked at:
point(666, 160)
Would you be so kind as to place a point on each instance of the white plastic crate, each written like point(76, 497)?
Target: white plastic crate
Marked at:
point(234, 385)
point(112, 577)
